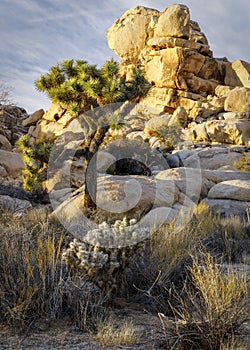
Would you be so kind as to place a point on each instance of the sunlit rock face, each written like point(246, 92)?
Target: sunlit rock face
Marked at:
point(177, 60)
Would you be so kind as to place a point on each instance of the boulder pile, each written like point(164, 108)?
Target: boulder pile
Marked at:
point(195, 119)
point(207, 98)
point(178, 62)
point(11, 128)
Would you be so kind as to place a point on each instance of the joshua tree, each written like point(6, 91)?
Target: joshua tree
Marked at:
point(95, 124)
point(81, 87)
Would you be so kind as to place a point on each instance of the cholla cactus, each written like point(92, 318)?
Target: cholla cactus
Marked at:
point(104, 264)
point(123, 233)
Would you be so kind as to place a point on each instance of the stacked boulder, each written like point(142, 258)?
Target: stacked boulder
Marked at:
point(11, 128)
point(203, 101)
point(51, 123)
point(208, 96)
point(179, 63)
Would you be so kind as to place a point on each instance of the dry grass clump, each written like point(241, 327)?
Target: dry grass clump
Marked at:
point(234, 240)
point(34, 282)
point(213, 310)
point(201, 306)
point(244, 163)
point(229, 238)
point(109, 334)
point(207, 307)
point(30, 271)
point(165, 262)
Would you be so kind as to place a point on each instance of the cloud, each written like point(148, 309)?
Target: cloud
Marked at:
point(36, 34)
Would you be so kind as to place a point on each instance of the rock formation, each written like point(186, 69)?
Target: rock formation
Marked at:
point(11, 128)
point(174, 53)
point(179, 63)
point(195, 118)
point(207, 96)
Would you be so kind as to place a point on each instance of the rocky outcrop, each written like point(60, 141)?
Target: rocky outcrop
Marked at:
point(5, 144)
point(11, 118)
point(173, 22)
point(177, 60)
point(206, 158)
point(228, 207)
point(133, 196)
point(172, 49)
point(156, 125)
point(188, 83)
point(51, 123)
point(195, 120)
point(225, 192)
point(14, 205)
point(161, 198)
point(229, 131)
point(122, 38)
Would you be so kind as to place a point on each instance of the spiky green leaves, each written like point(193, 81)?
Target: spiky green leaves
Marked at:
point(79, 85)
point(35, 157)
point(53, 79)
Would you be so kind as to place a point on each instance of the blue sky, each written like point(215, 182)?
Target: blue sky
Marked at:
point(36, 34)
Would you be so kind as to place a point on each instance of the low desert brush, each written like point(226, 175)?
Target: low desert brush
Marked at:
point(244, 163)
point(30, 273)
point(109, 334)
point(234, 239)
point(213, 310)
point(34, 282)
point(167, 257)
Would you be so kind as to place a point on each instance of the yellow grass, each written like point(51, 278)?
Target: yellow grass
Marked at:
point(108, 334)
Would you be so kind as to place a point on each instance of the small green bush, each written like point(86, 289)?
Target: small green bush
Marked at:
point(35, 157)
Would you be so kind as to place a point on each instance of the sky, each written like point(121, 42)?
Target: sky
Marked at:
point(37, 34)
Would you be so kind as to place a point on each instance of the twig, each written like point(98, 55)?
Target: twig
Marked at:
point(148, 292)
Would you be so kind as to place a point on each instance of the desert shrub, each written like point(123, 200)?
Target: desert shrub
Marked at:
point(227, 237)
point(109, 334)
point(170, 135)
point(160, 266)
point(244, 163)
point(86, 305)
point(34, 282)
point(164, 263)
point(234, 239)
point(116, 122)
point(30, 273)
point(80, 87)
point(212, 311)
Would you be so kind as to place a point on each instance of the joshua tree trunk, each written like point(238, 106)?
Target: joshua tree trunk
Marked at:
point(95, 127)
point(90, 181)
point(93, 144)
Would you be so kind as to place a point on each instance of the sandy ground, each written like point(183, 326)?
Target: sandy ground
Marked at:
point(60, 334)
